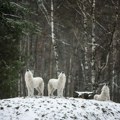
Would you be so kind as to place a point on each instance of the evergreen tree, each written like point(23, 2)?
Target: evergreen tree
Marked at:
point(12, 26)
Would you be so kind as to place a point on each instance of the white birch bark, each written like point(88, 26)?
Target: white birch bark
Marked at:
point(85, 47)
point(93, 44)
point(85, 68)
point(114, 57)
point(53, 35)
point(114, 49)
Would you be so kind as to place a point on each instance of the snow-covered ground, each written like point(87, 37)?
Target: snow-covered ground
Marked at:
point(45, 108)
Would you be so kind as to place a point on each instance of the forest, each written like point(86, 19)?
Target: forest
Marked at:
point(79, 37)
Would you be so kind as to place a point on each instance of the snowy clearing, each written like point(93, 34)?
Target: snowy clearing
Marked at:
point(45, 108)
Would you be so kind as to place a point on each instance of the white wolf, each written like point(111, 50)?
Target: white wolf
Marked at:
point(34, 82)
point(58, 84)
point(105, 94)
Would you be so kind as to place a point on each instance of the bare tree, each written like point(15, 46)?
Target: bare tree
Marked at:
point(114, 51)
point(53, 36)
point(93, 43)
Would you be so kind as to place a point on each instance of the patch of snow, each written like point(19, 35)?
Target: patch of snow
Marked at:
point(80, 93)
point(54, 108)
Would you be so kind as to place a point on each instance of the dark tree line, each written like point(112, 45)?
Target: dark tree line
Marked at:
point(79, 37)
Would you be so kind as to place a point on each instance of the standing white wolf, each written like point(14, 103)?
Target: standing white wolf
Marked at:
point(105, 94)
point(34, 82)
point(58, 84)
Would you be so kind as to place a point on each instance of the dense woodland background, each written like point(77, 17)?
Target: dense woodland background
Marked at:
point(79, 37)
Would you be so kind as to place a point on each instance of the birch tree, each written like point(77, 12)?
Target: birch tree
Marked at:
point(53, 36)
point(114, 53)
point(86, 67)
point(93, 43)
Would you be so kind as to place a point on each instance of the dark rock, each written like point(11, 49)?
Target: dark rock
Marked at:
point(73, 105)
point(75, 95)
point(43, 115)
point(26, 110)
point(82, 106)
point(85, 117)
point(17, 107)
point(84, 95)
point(103, 109)
point(96, 104)
point(64, 106)
point(98, 108)
point(17, 113)
point(1, 108)
point(112, 113)
point(9, 106)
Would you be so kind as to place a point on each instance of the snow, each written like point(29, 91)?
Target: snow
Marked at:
point(80, 93)
point(54, 108)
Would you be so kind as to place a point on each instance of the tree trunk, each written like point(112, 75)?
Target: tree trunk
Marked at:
point(69, 77)
point(53, 36)
point(93, 44)
point(114, 50)
point(86, 67)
